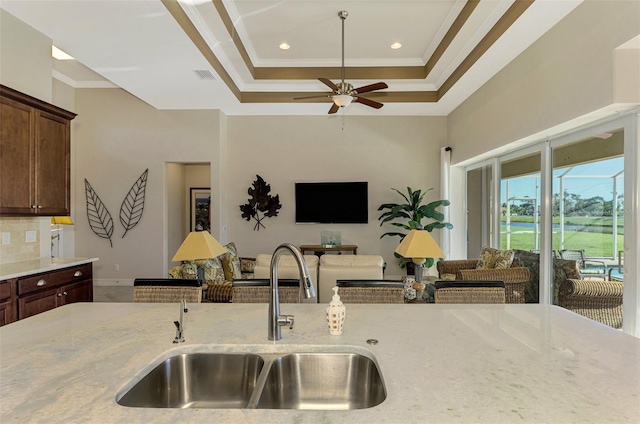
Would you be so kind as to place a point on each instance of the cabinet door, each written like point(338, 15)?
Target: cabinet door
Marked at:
point(17, 183)
point(52, 164)
point(7, 312)
point(77, 292)
point(8, 306)
point(37, 303)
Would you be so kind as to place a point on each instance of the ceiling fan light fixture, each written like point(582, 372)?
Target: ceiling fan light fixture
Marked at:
point(396, 45)
point(284, 46)
point(342, 100)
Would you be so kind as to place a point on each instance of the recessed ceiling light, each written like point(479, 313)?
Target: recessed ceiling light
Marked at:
point(396, 46)
point(59, 54)
point(284, 46)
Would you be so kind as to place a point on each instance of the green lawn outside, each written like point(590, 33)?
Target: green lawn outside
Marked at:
point(594, 244)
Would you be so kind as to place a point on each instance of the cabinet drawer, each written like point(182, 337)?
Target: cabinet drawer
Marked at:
point(49, 280)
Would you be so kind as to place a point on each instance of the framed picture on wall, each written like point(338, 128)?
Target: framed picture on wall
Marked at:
point(200, 206)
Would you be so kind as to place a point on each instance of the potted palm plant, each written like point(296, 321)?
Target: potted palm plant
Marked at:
point(409, 216)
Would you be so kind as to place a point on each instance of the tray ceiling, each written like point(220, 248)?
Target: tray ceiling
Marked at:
point(212, 54)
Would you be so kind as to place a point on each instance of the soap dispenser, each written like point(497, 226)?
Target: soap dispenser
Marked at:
point(335, 314)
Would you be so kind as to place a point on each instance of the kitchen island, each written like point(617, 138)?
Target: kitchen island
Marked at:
point(440, 363)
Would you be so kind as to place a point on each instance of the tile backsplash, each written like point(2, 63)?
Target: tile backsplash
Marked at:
point(18, 249)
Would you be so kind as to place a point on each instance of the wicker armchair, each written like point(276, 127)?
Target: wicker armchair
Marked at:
point(470, 292)
point(370, 291)
point(588, 267)
point(596, 299)
point(514, 278)
point(258, 291)
point(166, 290)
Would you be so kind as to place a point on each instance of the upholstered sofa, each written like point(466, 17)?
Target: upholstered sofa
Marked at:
point(346, 267)
point(219, 273)
point(287, 269)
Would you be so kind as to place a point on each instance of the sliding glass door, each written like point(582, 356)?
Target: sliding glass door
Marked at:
point(479, 209)
point(563, 198)
point(520, 202)
point(588, 205)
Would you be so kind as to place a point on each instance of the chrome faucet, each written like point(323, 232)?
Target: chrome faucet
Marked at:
point(275, 320)
point(179, 330)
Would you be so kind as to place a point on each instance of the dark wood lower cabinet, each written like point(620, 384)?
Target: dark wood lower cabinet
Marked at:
point(8, 306)
point(30, 295)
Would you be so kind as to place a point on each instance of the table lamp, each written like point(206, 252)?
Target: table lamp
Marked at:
point(199, 245)
point(419, 245)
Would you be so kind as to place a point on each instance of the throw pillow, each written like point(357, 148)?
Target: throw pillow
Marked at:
point(213, 272)
point(247, 265)
point(493, 258)
point(504, 259)
point(486, 260)
point(231, 263)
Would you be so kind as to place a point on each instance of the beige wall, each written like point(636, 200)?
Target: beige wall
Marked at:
point(117, 138)
point(626, 83)
point(567, 73)
point(25, 65)
point(385, 151)
point(25, 58)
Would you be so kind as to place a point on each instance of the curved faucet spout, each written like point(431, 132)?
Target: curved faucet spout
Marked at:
point(275, 320)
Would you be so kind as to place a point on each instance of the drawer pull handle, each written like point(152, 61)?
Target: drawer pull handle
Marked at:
point(77, 274)
point(39, 206)
point(62, 294)
point(41, 283)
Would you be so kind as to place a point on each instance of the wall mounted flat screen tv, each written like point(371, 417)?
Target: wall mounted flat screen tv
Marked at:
point(332, 203)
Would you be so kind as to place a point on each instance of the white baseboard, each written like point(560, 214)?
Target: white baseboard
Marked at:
point(112, 282)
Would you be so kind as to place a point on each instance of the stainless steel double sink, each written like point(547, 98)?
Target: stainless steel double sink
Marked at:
point(287, 380)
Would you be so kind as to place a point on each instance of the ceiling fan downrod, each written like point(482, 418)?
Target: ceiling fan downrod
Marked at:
point(343, 15)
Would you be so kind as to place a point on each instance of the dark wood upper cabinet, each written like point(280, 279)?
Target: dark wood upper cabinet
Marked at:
point(34, 156)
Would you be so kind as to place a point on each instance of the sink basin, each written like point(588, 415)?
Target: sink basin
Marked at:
point(197, 380)
point(327, 381)
point(296, 380)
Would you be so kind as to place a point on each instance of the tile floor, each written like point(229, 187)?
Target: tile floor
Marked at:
point(113, 293)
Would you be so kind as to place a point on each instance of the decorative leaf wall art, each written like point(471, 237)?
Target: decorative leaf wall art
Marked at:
point(98, 215)
point(260, 201)
point(133, 204)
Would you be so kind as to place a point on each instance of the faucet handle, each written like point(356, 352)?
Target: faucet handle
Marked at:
point(285, 320)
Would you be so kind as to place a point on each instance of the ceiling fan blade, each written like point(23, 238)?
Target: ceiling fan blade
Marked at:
point(368, 102)
point(370, 87)
point(313, 97)
point(329, 84)
point(334, 108)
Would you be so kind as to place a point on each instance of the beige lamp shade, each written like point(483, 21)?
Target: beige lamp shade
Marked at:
point(61, 220)
point(199, 245)
point(418, 245)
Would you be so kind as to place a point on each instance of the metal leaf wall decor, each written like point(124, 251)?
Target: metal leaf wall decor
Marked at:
point(98, 215)
point(260, 201)
point(133, 204)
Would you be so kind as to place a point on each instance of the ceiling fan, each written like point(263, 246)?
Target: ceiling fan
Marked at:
point(343, 93)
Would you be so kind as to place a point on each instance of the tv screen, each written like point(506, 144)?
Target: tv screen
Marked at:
point(332, 203)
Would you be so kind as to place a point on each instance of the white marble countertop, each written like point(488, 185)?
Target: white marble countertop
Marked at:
point(440, 363)
point(36, 266)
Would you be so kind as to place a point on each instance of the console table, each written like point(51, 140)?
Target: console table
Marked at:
point(320, 250)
